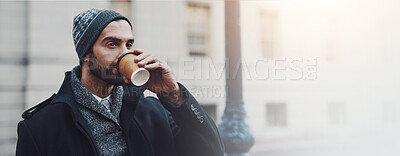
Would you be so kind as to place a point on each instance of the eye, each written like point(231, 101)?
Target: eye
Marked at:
point(129, 45)
point(111, 44)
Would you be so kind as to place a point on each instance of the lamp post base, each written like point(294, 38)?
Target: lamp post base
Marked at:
point(235, 132)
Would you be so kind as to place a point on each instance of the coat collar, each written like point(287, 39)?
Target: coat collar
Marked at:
point(86, 98)
point(65, 93)
point(131, 96)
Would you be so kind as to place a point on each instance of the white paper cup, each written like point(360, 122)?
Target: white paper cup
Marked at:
point(140, 76)
point(127, 67)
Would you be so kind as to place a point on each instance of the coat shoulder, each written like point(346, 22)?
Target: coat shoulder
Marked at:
point(46, 113)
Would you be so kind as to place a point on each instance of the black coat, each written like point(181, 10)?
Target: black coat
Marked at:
point(56, 127)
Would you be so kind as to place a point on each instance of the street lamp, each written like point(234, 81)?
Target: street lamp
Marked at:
point(235, 132)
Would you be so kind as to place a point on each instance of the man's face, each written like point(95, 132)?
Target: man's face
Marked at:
point(115, 39)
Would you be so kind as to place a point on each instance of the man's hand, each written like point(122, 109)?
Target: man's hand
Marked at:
point(162, 79)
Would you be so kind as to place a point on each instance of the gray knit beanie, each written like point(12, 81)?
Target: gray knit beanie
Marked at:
point(88, 25)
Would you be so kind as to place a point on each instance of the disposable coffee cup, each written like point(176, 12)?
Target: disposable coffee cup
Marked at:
point(127, 67)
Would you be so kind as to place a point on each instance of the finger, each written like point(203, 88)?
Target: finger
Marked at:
point(153, 66)
point(141, 56)
point(158, 64)
point(147, 60)
point(138, 51)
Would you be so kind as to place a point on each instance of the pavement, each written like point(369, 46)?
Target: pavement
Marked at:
point(382, 144)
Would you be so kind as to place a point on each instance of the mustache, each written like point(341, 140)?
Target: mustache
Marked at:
point(114, 65)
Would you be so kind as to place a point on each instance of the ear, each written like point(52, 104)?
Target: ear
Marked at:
point(86, 58)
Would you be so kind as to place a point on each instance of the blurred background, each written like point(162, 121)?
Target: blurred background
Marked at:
point(320, 77)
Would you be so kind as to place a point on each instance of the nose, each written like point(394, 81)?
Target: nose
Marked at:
point(125, 49)
point(120, 53)
point(122, 50)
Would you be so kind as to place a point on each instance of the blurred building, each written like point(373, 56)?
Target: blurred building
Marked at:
point(37, 48)
point(332, 74)
point(311, 69)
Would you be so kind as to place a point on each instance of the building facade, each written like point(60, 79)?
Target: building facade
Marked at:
point(311, 69)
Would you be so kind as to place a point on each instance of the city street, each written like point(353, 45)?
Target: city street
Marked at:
point(378, 146)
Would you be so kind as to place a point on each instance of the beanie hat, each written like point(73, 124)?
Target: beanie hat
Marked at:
point(88, 25)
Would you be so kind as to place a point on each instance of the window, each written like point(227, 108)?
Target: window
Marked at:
point(276, 115)
point(198, 28)
point(269, 30)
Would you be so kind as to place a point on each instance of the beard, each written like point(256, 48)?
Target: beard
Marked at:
point(105, 72)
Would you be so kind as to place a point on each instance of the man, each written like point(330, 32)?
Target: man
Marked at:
point(98, 112)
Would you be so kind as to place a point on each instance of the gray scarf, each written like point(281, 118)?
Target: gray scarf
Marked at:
point(104, 125)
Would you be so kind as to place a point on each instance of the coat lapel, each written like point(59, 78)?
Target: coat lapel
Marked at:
point(65, 95)
point(136, 139)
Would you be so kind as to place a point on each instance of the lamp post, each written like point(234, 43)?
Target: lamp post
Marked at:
point(235, 132)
